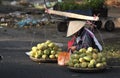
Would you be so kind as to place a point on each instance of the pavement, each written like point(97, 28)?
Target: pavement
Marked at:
point(16, 64)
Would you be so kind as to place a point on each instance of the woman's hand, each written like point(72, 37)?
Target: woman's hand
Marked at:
point(73, 48)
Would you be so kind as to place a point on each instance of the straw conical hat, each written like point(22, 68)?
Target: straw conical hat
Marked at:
point(74, 26)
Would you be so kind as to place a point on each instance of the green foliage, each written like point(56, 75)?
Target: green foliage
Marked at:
point(111, 51)
point(94, 3)
point(67, 5)
point(86, 4)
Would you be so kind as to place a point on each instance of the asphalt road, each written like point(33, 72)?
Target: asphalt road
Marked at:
point(16, 64)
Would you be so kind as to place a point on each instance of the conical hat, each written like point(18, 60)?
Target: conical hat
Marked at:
point(74, 26)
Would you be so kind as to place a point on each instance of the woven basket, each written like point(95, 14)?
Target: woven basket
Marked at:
point(101, 69)
point(43, 60)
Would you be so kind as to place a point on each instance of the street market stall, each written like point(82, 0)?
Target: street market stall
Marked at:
point(86, 59)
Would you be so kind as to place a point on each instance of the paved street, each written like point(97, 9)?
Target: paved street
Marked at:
point(16, 64)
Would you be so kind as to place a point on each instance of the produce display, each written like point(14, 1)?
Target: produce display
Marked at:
point(45, 50)
point(87, 58)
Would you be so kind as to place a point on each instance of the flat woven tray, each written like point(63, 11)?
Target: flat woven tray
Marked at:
point(44, 60)
point(101, 69)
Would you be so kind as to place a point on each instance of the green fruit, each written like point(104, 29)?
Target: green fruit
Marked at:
point(90, 65)
point(93, 61)
point(75, 52)
point(56, 55)
point(44, 56)
point(87, 58)
point(53, 52)
point(81, 60)
point(51, 45)
point(98, 65)
point(103, 59)
point(72, 56)
point(76, 56)
point(46, 46)
point(39, 46)
point(34, 48)
point(55, 48)
point(98, 60)
point(39, 53)
point(75, 61)
point(77, 65)
point(89, 54)
point(94, 56)
point(80, 50)
point(51, 56)
point(36, 56)
point(90, 49)
point(95, 50)
point(43, 46)
point(84, 64)
point(83, 50)
point(70, 64)
point(100, 55)
point(48, 42)
point(47, 52)
point(32, 53)
point(104, 63)
point(83, 54)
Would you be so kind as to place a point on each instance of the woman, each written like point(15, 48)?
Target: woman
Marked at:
point(82, 37)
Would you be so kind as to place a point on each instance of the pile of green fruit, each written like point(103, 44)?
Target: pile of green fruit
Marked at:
point(87, 58)
point(45, 50)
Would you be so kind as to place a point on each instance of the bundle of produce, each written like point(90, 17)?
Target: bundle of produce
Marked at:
point(87, 58)
point(45, 50)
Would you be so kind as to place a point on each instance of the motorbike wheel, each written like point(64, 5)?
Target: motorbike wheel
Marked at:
point(109, 25)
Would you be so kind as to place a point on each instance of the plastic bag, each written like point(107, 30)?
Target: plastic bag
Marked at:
point(63, 58)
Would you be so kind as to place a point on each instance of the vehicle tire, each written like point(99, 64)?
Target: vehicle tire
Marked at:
point(62, 26)
point(98, 24)
point(109, 25)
